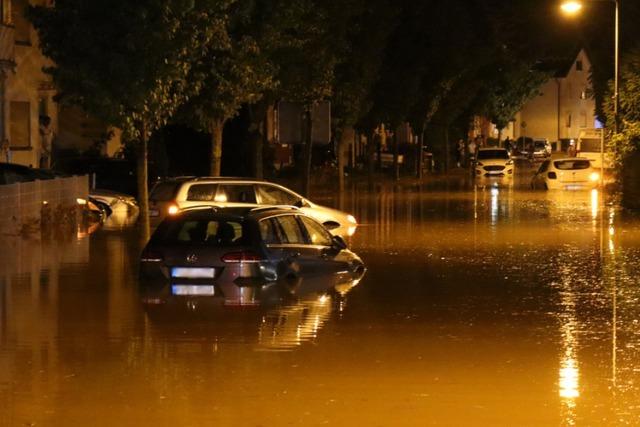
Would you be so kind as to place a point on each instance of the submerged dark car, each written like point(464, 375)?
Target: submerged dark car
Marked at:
point(229, 253)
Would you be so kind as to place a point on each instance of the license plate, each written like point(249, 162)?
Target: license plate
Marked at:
point(153, 212)
point(193, 273)
point(206, 290)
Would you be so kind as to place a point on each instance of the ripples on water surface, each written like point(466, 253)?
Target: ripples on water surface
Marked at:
point(481, 307)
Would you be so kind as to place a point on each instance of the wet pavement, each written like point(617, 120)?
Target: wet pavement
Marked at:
point(480, 306)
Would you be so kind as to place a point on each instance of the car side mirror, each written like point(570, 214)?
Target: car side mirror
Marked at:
point(331, 225)
point(302, 203)
point(339, 243)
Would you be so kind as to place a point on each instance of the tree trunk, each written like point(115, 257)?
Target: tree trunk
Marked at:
point(216, 146)
point(308, 152)
point(346, 135)
point(142, 174)
point(396, 154)
point(419, 155)
point(371, 157)
point(499, 137)
point(447, 153)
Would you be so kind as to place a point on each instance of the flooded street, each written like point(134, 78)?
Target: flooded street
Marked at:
point(480, 306)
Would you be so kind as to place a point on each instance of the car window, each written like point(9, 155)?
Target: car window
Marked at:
point(206, 231)
point(290, 229)
point(269, 231)
point(237, 193)
point(492, 154)
point(572, 164)
point(164, 191)
point(272, 195)
point(202, 192)
point(318, 235)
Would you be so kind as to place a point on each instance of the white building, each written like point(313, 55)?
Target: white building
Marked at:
point(563, 107)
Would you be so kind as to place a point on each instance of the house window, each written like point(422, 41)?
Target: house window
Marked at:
point(568, 120)
point(578, 65)
point(583, 119)
point(22, 26)
point(20, 124)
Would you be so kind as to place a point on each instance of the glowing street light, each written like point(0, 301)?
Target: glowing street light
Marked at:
point(573, 7)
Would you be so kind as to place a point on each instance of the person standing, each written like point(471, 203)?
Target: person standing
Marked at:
point(5, 151)
point(460, 153)
point(46, 136)
point(472, 151)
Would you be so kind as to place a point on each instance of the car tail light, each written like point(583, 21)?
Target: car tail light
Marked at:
point(241, 256)
point(151, 256)
point(552, 175)
point(173, 209)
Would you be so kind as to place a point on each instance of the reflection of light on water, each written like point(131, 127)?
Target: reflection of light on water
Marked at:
point(494, 204)
point(594, 203)
point(569, 379)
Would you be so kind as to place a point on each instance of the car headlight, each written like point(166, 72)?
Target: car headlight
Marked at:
point(352, 219)
point(509, 162)
point(479, 164)
point(595, 176)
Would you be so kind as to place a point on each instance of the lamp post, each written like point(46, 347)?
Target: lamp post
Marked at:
point(573, 7)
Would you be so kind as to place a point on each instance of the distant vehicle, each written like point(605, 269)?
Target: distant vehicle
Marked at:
point(493, 163)
point(205, 251)
point(571, 173)
point(590, 145)
point(541, 149)
point(531, 148)
point(170, 196)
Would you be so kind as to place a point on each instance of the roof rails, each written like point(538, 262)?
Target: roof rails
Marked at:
point(200, 207)
point(274, 207)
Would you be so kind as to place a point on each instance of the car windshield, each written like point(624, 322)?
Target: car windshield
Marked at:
point(212, 232)
point(492, 154)
point(571, 164)
point(164, 191)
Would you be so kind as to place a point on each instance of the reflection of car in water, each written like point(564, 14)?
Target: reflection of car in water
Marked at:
point(493, 163)
point(572, 173)
point(230, 253)
point(169, 196)
point(276, 316)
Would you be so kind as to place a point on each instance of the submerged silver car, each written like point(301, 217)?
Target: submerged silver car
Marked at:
point(170, 196)
point(228, 252)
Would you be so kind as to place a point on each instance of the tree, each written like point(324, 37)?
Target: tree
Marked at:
point(234, 71)
point(125, 62)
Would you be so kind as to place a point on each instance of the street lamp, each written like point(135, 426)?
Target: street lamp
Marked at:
point(572, 7)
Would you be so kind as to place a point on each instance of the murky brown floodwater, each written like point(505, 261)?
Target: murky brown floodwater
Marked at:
point(479, 307)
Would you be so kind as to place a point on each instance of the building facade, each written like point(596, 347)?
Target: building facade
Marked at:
point(562, 108)
point(32, 123)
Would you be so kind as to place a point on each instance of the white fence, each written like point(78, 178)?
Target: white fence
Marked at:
point(21, 205)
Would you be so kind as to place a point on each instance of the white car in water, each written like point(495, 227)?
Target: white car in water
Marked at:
point(571, 173)
point(493, 163)
point(173, 195)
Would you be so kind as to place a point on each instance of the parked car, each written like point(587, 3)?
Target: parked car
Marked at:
point(493, 163)
point(228, 252)
point(541, 149)
point(572, 173)
point(170, 196)
point(11, 173)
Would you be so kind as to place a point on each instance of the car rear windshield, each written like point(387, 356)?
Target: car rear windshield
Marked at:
point(493, 154)
point(571, 164)
point(211, 232)
point(164, 191)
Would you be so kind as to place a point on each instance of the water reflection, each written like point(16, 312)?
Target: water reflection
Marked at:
point(284, 315)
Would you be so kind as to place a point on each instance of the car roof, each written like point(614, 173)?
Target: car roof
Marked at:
point(212, 178)
point(256, 212)
point(492, 149)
